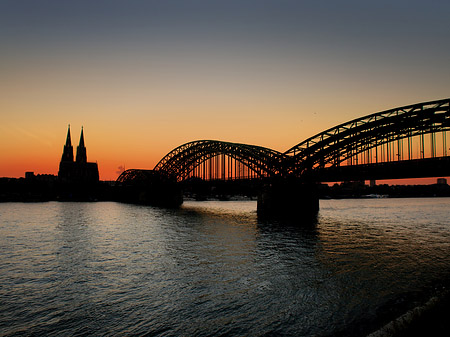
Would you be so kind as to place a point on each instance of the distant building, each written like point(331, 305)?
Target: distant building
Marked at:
point(80, 170)
point(442, 181)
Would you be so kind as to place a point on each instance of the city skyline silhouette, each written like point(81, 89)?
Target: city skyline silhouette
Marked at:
point(146, 77)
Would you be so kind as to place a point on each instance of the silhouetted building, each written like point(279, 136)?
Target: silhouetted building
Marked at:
point(29, 175)
point(442, 181)
point(78, 171)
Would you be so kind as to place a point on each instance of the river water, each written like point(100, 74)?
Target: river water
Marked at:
point(212, 268)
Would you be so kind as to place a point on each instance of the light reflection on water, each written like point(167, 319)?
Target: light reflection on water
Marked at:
point(213, 268)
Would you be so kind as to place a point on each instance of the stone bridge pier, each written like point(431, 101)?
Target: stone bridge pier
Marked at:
point(289, 199)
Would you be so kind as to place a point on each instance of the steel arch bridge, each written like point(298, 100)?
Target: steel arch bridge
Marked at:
point(145, 177)
point(376, 138)
point(221, 160)
point(388, 136)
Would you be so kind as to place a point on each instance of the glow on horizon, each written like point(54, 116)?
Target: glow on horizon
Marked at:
point(149, 76)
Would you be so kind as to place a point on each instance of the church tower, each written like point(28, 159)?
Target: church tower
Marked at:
point(81, 150)
point(79, 171)
point(68, 149)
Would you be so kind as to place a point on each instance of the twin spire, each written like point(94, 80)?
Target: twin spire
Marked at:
point(68, 149)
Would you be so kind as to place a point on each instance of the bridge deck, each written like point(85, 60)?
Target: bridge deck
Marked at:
point(417, 168)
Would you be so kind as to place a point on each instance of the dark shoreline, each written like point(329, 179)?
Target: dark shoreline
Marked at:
point(430, 318)
point(49, 188)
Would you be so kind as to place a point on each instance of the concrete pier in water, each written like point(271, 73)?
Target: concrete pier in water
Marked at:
point(289, 199)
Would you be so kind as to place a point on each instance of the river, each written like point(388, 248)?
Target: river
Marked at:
point(213, 268)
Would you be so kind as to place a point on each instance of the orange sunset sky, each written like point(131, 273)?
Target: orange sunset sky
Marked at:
point(143, 77)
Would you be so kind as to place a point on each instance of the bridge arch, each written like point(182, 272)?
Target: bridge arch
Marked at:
point(362, 135)
point(142, 177)
point(182, 161)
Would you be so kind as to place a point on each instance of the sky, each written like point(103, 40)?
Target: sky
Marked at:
point(143, 77)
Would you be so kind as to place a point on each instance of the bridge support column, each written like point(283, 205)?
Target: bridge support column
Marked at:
point(290, 200)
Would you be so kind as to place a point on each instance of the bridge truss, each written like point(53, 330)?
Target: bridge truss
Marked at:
point(392, 135)
point(389, 136)
point(145, 177)
point(212, 159)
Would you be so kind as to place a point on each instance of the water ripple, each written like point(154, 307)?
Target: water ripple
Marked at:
point(211, 268)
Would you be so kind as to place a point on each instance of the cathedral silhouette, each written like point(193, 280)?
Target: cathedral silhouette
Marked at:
point(80, 170)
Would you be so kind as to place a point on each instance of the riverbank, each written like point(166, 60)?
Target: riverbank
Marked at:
point(49, 188)
point(429, 319)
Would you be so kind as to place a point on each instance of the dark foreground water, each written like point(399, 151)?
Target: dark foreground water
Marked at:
point(211, 268)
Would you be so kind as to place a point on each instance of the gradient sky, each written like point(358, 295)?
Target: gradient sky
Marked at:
point(143, 77)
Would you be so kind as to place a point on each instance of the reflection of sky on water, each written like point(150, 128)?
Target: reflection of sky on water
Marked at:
point(214, 268)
